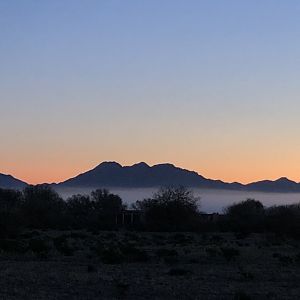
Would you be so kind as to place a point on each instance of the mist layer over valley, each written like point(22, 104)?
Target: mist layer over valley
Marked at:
point(210, 200)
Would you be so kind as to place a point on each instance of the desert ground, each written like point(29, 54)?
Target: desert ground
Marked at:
point(135, 265)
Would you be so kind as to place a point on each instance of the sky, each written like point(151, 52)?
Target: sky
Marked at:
point(208, 85)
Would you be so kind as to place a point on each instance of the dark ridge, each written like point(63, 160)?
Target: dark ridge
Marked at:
point(9, 182)
point(141, 175)
point(282, 184)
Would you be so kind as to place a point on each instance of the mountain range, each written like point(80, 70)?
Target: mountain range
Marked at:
point(9, 182)
point(141, 175)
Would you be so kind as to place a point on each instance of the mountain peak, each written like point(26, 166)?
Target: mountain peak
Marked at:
point(164, 165)
point(140, 165)
point(8, 181)
point(284, 179)
point(109, 164)
point(141, 175)
point(112, 174)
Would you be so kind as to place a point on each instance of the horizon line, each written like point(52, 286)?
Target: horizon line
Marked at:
point(150, 166)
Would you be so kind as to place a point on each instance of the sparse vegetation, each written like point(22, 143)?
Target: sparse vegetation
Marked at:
point(230, 253)
point(170, 209)
point(241, 295)
point(163, 252)
point(62, 245)
point(38, 246)
point(120, 267)
point(67, 245)
point(178, 272)
point(111, 255)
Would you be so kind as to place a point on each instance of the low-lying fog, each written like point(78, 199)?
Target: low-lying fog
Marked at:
point(210, 200)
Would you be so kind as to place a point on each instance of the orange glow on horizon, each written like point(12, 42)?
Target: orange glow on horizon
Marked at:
point(59, 172)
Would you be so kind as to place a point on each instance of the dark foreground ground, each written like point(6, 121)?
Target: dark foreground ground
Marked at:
point(127, 265)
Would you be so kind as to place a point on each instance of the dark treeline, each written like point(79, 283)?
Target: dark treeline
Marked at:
point(40, 207)
point(170, 209)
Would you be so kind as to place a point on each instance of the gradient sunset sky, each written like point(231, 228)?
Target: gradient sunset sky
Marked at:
point(211, 86)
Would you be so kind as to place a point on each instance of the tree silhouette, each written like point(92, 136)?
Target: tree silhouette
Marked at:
point(10, 214)
point(42, 207)
point(106, 206)
point(170, 209)
point(246, 216)
point(80, 211)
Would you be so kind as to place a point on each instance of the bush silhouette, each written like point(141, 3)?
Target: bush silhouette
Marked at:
point(80, 212)
point(10, 212)
point(106, 206)
point(134, 254)
point(284, 220)
point(246, 216)
point(178, 272)
point(42, 207)
point(230, 253)
point(163, 252)
point(12, 246)
point(62, 245)
point(38, 246)
point(111, 255)
point(170, 209)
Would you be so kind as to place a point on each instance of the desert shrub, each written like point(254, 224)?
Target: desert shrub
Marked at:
point(163, 252)
point(121, 288)
point(62, 245)
point(132, 236)
point(230, 253)
point(38, 246)
point(211, 251)
point(178, 272)
point(110, 236)
point(97, 247)
point(158, 237)
point(242, 235)
point(111, 255)
point(194, 261)
point(12, 246)
point(91, 269)
point(246, 275)
point(169, 256)
point(216, 239)
point(284, 259)
point(171, 260)
point(30, 234)
point(246, 216)
point(180, 238)
point(134, 254)
point(170, 209)
point(241, 295)
point(297, 257)
point(78, 235)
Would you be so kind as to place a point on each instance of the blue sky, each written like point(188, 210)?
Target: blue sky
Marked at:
point(208, 85)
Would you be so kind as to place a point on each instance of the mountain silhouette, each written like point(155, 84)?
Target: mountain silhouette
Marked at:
point(112, 174)
point(280, 185)
point(141, 175)
point(9, 182)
